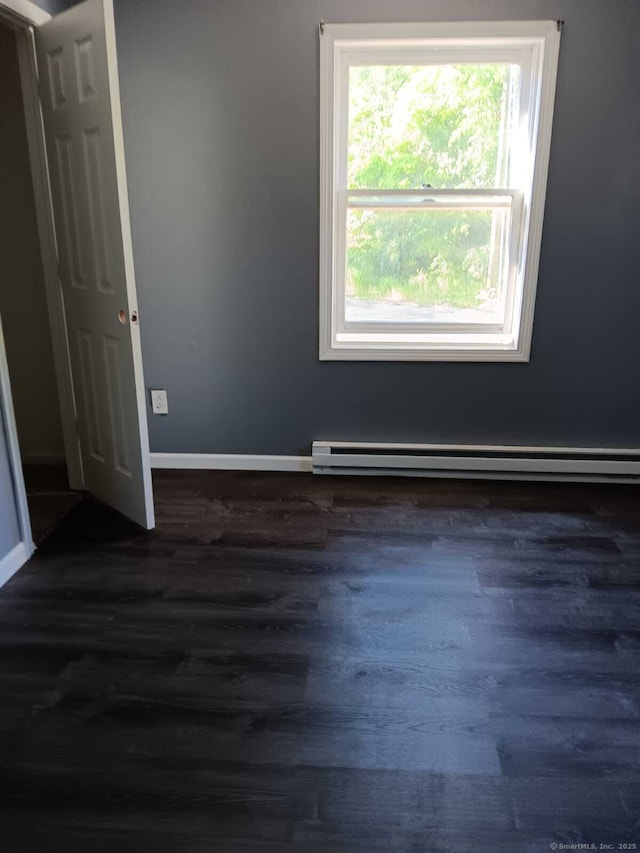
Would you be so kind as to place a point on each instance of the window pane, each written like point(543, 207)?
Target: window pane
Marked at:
point(445, 126)
point(426, 265)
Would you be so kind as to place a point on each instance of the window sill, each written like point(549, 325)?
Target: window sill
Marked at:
point(350, 347)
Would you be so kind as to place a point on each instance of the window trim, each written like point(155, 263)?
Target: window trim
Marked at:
point(541, 40)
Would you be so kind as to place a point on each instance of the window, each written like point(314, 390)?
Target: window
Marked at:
point(434, 153)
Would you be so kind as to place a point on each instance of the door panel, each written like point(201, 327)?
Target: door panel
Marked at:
point(83, 129)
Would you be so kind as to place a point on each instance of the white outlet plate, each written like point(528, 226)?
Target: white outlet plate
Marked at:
point(159, 404)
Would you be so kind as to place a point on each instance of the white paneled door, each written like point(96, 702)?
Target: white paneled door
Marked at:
point(81, 110)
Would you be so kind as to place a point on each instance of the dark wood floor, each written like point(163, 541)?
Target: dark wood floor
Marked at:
point(304, 664)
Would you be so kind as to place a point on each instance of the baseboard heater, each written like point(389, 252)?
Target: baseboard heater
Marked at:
point(587, 464)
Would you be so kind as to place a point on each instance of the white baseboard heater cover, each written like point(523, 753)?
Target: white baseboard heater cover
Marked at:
point(589, 464)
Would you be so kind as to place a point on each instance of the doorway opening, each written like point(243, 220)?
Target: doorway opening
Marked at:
point(24, 314)
point(72, 140)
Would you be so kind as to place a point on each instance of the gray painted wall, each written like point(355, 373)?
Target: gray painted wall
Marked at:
point(23, 305)
point(9, 529)
point(220, 103)
point(220, 107)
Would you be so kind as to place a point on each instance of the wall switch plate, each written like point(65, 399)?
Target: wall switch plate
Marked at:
point(159, 404)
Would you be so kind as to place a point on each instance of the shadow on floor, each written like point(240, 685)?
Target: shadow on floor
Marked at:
point(49, 497)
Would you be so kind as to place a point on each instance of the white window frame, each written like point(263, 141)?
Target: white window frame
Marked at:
point(534, 45)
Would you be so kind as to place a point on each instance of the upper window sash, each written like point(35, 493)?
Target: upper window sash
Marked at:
point(361, 55)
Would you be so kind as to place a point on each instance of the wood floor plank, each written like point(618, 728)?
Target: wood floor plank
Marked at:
point(308, 664)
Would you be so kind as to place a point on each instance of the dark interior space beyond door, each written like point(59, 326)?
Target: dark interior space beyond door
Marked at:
point(24, 313)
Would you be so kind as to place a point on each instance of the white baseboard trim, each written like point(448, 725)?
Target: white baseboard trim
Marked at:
point(230, 462)
point(14, 560)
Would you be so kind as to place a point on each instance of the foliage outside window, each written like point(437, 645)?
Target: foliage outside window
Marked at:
point(435, 142)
